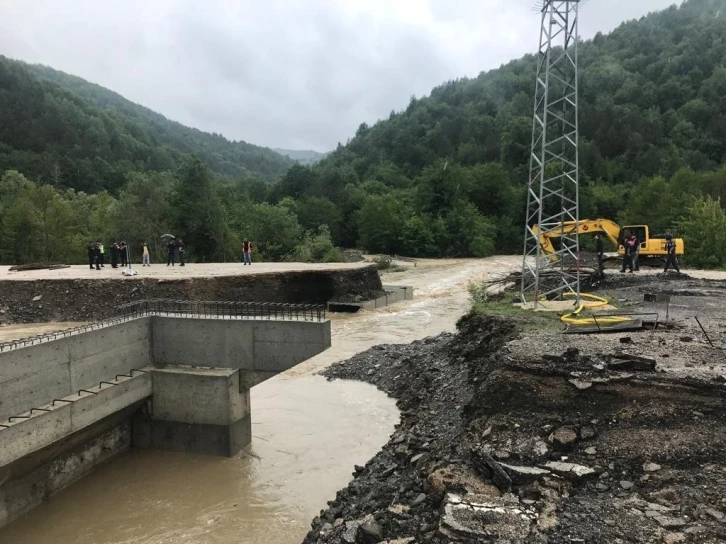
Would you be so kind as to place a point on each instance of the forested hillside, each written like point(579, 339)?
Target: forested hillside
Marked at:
point(63, 130)
point(442, 176)
point(304, 156)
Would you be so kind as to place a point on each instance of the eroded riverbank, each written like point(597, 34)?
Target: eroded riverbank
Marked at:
point(522, 436)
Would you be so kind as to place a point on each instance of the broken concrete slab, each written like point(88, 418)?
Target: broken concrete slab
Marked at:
point(570, 471)
point(524, 475)
point(500, 478)
point(630, 362)
point(581, 385)
point(483, 519)
point(669, 522)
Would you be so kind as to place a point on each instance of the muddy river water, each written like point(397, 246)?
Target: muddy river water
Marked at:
point(307, 435)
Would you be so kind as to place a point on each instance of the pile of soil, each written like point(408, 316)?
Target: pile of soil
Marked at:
point(495, 446)
point(39, 301)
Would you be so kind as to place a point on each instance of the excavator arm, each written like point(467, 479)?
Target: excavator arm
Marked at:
point(584, 226)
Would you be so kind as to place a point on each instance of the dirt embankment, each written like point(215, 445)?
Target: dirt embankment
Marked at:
point(499, 447)
point(92, 299)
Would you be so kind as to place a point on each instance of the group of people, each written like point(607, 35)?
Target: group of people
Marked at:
point(631, 243)
point(174, 247)
point(97, 255)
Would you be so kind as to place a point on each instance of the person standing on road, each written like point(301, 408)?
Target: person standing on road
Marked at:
point(628, 241)
point(599, 251)
point(181, 249)
point(92, 256)
point(171, 249)
point(114, 255)
point(670, 248)
point(247, 252)
point(123, 254)
point(636, 253)
point(145, 256)
point(101, 253)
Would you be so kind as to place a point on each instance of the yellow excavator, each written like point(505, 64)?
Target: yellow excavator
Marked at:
point(649, 246)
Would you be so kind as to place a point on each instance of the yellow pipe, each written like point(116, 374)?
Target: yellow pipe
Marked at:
point(597, 302)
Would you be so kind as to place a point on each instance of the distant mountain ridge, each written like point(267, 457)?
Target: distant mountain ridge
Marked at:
point(61, 128)
point(302, 156)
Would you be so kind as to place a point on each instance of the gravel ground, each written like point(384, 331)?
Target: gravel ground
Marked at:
point(545, 437)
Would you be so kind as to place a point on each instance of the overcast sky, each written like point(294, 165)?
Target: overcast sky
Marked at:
point(296, 74)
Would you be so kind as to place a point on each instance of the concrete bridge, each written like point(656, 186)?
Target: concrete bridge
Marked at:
point(161, 374)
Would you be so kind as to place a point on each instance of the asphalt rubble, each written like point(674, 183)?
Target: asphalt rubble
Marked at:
point(555, 445)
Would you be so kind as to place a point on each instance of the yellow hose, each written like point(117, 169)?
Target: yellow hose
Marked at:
point(597, 302)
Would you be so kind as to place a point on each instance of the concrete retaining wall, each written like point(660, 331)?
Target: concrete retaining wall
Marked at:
point(74, 413)
point(394, 293)
point(203, 410)
point(29, 481)
point(260, 345)
point(33, 376)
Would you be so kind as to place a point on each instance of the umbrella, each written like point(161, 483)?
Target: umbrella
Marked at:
point(168, 236)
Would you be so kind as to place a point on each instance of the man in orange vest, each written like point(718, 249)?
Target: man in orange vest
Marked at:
point(247, 252)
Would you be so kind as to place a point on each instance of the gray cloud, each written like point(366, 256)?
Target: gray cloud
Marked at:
point(276, 72)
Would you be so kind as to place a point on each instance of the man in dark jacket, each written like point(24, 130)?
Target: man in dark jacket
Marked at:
point(627, 261)
point(93, 256)
point(635, 255)
point(114, 255)
point(171, 248)
point(123, 254)
point(670, 248)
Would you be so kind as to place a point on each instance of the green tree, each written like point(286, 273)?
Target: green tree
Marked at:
point(144, 212)
point(273, 230)
point(380, 221)
point(704, 233)
point(315, 212)
point(200, 217)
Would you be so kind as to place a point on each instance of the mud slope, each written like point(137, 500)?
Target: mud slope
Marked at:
point(497, 448)
point(91, 299)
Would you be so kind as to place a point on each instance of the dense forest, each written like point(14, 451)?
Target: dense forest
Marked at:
point(444, 177)
point(61, 129)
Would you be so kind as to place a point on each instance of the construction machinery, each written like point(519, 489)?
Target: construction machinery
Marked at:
point(650, 246)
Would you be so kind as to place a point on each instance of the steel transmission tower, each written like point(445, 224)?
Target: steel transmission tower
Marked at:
point(553, 195)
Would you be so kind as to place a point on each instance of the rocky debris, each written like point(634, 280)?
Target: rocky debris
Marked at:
point(472, 518)
point(581, 384)
point(494, 447)
point(627, 362)
point(570, 471)
point(37, 298)
point(369, 533)
point(459, 479)
point(524, 475)
point(563, 439)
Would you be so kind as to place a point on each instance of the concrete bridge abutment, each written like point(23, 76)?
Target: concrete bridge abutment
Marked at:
point(175, 382)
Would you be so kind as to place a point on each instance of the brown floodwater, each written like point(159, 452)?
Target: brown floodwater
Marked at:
point(307, 435)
